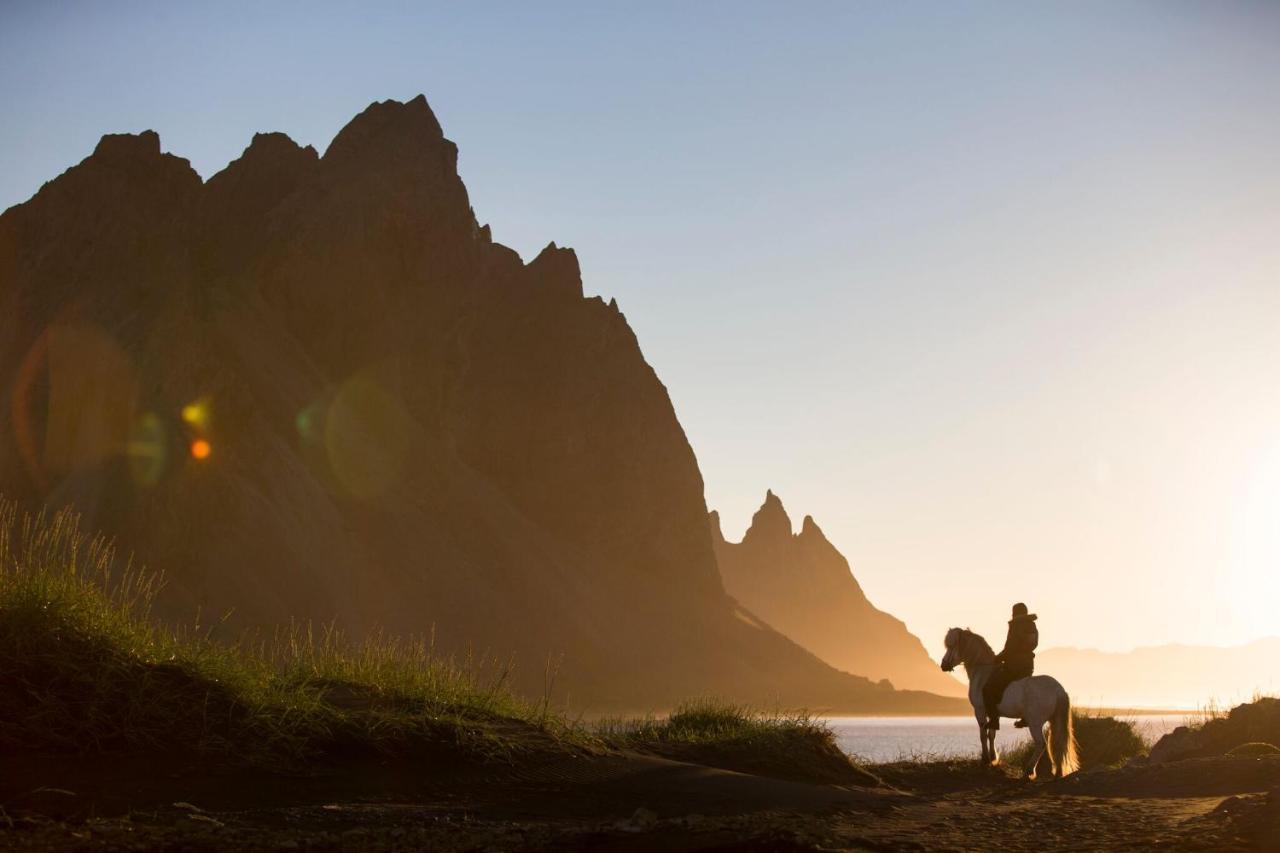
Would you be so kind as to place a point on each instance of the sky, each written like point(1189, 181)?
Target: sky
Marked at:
point(991, 290)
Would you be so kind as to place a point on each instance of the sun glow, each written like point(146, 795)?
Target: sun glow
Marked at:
point(1255, 560)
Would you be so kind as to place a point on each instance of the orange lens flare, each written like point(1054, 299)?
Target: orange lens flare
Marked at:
point(200, 449)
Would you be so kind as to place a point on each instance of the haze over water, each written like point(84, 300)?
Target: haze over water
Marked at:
point(877, 740)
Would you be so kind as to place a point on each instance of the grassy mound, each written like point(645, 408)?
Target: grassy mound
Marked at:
point(736, 737)
point(86, 671)
point(1102, 741)
point(1107, 741)
point(1253, 722)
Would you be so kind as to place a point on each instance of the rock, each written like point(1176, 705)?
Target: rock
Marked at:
point(1182, 742)
point(641, 820)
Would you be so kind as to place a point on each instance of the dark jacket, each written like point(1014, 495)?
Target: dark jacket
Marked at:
point(1020, 646)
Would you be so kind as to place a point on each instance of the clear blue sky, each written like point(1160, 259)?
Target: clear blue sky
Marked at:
point(991, 290)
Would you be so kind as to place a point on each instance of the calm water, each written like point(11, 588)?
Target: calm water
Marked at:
point(877, 739)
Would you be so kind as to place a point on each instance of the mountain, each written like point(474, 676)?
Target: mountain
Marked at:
point(314, 388)
point(801, 585)
point(1169, 676)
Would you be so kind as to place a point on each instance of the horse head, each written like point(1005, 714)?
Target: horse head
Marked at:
point(965, 647)
point(954, 656)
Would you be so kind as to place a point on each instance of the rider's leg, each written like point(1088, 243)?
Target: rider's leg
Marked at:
point(991, 694)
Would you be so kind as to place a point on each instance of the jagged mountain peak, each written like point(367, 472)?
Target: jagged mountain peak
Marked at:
point(809, 529)
point(276, 144)
point(770, 522)
point(389, 132)
point(713, 519)
point(136, 157)
point(128, 146)
point(557, 269)
point(269, 158)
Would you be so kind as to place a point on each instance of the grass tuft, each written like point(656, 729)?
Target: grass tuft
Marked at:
point(737, 737)
point(1103, 741)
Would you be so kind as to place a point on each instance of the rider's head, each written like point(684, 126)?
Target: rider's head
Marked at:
point(1019, 609)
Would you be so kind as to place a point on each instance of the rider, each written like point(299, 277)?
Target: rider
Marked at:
point(1017, 660)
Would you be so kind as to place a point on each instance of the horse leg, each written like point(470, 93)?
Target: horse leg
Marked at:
point(982, 738)
point(1037, 736)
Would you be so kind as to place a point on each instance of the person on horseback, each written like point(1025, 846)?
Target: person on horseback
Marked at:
point(1017, 660)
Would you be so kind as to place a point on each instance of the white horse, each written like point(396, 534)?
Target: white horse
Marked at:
point(1038, 699)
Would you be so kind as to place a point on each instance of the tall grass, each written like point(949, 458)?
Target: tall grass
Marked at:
point(86, 669)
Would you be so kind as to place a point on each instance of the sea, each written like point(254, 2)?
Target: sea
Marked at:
point(875, 740)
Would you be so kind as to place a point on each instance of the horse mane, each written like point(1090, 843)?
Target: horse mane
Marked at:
point(986, 654)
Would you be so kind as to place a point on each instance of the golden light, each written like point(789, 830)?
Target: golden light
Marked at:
point(200, 449)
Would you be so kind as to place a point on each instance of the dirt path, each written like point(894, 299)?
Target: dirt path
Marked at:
point(631, 803)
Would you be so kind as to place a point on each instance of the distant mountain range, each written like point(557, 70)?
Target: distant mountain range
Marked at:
point(800, 584)
point(1170, 676)
point(314, 388)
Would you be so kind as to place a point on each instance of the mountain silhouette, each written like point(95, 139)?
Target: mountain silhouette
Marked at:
point(1168, 676)
point(313, 388)
point(800, 584)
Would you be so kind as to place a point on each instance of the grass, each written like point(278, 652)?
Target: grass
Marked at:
point(1104, 742)
point(730, 736)
point(86, 670)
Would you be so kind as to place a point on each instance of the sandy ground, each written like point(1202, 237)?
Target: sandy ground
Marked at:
point(627, 802)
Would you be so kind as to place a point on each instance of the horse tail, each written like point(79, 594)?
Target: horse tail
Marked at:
point(1062, 737)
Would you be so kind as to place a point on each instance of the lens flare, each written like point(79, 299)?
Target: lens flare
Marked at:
point(196, 413)
point(367, 434)
point(200, 449)
point(306, 422)
point(92, 395)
